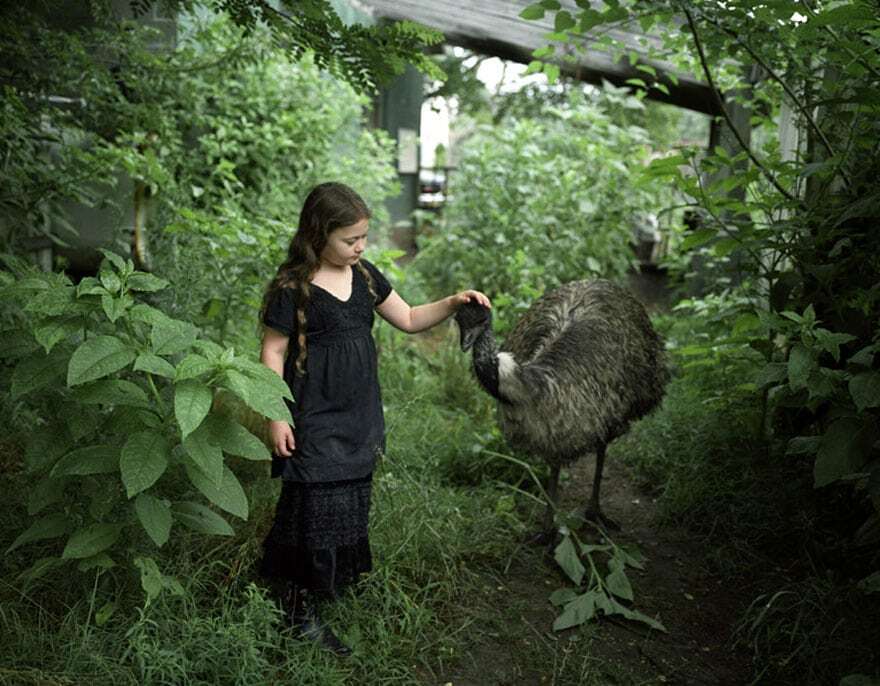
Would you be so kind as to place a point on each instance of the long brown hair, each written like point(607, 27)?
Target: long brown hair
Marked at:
point(327, 207)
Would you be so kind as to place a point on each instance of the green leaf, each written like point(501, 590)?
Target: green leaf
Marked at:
point(561, 596)
point(37, 371)
point(104, 613)
point(771, 374)
point(228, 496)
point(801, 364)
point(199, 518)
point(47, 491)
point(98, 357)
point(578, 611)
point(616, 581)
point(114, 308)
point(567, 557)
point(153, 364)
point(803, 445)
point(141, 281)
point(192, 402)
point(255, 397)
point(262, 374)
point(114, 259)
point(95, 459)
point(532, 12)
point(552, 72)
point(746, 322)
point(193, 366)
point(171, 336)
point(56, 330)
point(563, 21)
point(206, 454)
point(865, 390)
point(234, 439)
point(842, 451)
point(153, 581)
point(635, 615)
point(53, 526)
point(698, 238)
point(155, 516)
point(144, 459)
point(91, 540)
point(112, 392)
point(99, 561)
point(147, 314)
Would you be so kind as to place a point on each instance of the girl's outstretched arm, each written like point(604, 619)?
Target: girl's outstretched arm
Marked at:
point(272, 354)
point(398, 313)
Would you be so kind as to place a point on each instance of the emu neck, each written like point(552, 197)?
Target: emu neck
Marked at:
point(485, 353)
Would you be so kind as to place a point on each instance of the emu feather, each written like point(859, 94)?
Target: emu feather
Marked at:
point(581, 365)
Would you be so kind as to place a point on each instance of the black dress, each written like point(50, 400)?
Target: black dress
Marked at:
point(319, 537)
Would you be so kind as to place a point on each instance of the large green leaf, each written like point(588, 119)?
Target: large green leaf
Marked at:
point(170, 336)
point(616, 581)
point(234, 439)
point(801, 363)
point(112, 392)
point(199, 518)
point(263, 374)
point(37, 371)
point(842, 451)
point(141, 281)
point(91, 540)
point(192, 366)
point(55, 330)
point(53, 526)
point(228, 496)
point(148, 362)
point(95, 459)
point(255, 396)
point(205, 454)
point(144, 459)
point(98, 357)
point(865, 390)
point(155, 516)
point(577, 611)
point(567, 557)
point(192, 402)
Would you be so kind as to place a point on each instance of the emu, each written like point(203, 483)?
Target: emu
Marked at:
point(579, 367)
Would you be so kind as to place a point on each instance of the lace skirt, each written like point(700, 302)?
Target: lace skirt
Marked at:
point(318, 539)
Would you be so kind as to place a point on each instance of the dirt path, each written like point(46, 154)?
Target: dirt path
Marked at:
point(511, 640)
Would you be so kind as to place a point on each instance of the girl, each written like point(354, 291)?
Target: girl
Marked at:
point(318, 312)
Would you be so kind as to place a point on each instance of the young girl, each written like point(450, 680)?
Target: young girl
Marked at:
point(318, 313)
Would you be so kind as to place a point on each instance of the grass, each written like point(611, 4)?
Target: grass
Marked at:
point(445, 528)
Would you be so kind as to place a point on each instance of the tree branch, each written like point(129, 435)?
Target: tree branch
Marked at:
point(702, 55)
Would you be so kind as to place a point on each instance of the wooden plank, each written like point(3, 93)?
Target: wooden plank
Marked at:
point(494, 27)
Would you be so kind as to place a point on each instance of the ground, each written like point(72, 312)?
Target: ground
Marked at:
point(509, 637)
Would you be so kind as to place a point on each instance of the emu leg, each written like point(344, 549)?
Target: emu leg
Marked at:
point(594, 512)
point(547, 534)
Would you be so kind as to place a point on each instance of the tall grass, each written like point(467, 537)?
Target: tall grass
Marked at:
point(430, 537)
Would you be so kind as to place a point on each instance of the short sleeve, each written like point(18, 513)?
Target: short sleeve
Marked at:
point(380, 283)
point(281, 312)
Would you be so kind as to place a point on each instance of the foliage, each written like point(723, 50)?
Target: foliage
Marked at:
point(365, 56)
point(130, 397)
point(538, 203)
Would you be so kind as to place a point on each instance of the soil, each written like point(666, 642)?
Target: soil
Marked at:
point(510, 639)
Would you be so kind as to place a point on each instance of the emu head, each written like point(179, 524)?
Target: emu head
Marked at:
point(473, 319)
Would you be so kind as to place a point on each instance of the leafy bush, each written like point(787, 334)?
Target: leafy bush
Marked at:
point(537, 203)
point(131, 400)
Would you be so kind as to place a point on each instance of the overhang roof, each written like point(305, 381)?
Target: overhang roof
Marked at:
point(493, 27)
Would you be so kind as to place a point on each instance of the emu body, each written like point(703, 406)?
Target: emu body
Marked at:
point(581, 365)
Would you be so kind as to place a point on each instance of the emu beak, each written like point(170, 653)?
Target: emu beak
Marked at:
point(468, 337)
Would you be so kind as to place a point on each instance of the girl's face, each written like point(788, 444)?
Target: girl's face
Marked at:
point(345, 244)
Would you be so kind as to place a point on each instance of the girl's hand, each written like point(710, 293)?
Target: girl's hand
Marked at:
point(460, 299)
point(281, 437)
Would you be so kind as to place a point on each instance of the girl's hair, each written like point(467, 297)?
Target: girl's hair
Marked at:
point(327, 207)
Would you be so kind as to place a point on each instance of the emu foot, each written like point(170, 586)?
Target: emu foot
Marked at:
point(596, 516)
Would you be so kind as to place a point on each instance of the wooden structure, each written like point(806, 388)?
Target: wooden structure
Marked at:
point(494, 27)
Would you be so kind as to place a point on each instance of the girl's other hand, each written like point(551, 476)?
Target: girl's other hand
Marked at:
point(281, 436)
point(460, 299)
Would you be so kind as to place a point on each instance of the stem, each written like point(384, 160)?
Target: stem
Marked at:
point(156, 395)
point(842, 45)
point(702, 55)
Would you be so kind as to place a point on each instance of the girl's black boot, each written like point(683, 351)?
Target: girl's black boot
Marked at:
point(303, 618)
